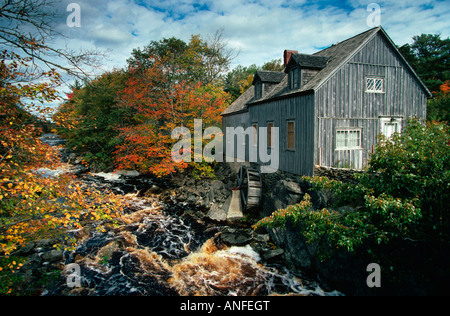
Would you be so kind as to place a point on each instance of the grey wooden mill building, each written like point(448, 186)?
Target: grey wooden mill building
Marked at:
point(330, 106)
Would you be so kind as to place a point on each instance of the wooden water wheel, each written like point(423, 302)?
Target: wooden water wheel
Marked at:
point(250, 184)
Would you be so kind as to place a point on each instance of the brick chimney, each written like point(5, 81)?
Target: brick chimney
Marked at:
point(287, 55)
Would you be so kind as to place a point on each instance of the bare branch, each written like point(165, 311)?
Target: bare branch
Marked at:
point(29, 27)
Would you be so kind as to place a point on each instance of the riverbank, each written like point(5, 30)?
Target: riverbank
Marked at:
point(171, 240)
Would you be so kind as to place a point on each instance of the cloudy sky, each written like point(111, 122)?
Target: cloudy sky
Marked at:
point(259, 29)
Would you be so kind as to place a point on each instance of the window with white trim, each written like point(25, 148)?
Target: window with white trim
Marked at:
point(348, 139)
point(375, 85)
point(390, 125)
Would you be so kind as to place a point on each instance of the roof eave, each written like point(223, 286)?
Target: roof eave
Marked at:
point(234, 113)
point(283, 96)
point(425, 88)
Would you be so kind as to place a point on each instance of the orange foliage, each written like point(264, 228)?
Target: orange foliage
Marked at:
point(445, 88)
point(161, 106)
point(34, 207)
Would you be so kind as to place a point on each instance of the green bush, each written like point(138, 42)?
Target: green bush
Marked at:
point(404, 195)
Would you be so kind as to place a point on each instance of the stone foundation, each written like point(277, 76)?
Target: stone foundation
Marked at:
point(340, 174)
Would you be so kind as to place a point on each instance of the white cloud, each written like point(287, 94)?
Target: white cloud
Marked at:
point(260, 29)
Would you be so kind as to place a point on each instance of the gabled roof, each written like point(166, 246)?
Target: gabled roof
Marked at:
point(240, 104)
point(268, 76)
point(336, 56)
point(307, 61)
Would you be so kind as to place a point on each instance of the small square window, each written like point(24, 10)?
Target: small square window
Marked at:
point(375, 85)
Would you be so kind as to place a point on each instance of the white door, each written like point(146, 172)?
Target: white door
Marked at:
point(390, 125)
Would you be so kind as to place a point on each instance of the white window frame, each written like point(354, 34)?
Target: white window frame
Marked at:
point(348, 131)
point(396, 121)
point(374, 85)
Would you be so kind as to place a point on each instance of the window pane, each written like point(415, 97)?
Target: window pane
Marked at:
point(374, 84)
point(370, 84)
point(354, 139)
point(291, 135)
point(340, 139)
point(269, 134)
point(255, 134)
point(350, 139)
point(379, 85)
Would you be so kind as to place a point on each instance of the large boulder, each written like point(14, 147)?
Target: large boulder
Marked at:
point(279, 194)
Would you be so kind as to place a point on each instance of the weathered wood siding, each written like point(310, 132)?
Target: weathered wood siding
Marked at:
point(342, 101)
point(240, 119)
point(299, 109)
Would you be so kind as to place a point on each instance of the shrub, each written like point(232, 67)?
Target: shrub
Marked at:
point(404, 195)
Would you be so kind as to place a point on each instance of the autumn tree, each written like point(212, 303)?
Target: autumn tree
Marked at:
point(238, 80)
point(439, 107)
point(199, 60)
point(162, 103)
point(32, 206)
point(91, 117)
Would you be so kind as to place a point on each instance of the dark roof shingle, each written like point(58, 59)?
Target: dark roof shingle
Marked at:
point(309, 61)
point(268, 76)
point(328, 60)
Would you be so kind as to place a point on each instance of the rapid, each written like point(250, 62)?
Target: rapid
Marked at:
point(161, 248)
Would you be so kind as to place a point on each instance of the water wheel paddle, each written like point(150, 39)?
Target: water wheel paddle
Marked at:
point(250, 184)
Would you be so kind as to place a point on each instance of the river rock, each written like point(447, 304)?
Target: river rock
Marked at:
point(128, 173)
point(217, 212)
point(279, 194)
point(236, 237)
point(272, 254)
point(79, 169)
point(52, 256)
point(154, 189)
point(292, 187)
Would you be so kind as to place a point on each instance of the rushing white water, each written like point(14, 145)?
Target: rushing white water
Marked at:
point(159, 249)
point(157, 253)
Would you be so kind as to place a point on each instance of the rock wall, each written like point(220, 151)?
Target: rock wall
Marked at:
point(344, 175)
point(344, 271)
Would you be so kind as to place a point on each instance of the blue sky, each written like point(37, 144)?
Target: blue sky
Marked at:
point(259, 29)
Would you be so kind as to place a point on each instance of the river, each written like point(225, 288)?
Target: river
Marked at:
point(161, 249)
